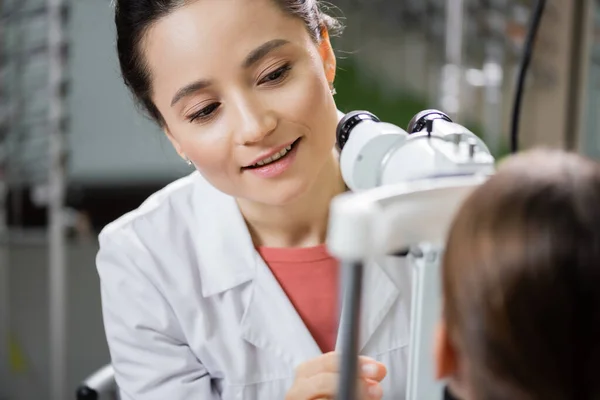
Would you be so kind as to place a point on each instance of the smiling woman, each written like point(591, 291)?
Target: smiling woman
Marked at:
point(228, 89)
point(220, 286)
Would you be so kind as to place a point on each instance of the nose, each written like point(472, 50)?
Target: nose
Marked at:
point(256, 122)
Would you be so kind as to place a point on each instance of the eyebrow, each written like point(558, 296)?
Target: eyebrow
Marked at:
point(261, 51)
point(253, 57)
point(189, 89)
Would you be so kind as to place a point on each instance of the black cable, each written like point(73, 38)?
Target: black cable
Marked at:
point(526, 59)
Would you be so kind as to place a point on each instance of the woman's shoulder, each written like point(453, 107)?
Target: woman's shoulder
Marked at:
point(178, 203)
point(187, 222)
point(154, 203)
point(184, 230)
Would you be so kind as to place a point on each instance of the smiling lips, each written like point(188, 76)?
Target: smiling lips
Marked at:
point(272, 155)
point(275, 164)
point(273, 158)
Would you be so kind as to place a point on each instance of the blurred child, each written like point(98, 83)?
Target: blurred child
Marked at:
point(521, 284)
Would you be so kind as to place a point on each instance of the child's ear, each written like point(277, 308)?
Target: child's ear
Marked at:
point(445, 354)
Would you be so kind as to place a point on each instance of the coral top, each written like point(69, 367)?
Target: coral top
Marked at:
point(310, 278)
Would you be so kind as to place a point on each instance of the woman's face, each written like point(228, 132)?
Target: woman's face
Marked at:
point(237, 82)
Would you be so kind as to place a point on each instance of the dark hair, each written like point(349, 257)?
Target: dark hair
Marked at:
point(133, 18)
point(521, 280)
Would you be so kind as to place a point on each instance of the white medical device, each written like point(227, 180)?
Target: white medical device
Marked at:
point(406, 187)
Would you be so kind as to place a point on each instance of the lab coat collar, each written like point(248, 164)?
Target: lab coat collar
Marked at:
point(270, 320)
point(230, 259)
point(227, 258)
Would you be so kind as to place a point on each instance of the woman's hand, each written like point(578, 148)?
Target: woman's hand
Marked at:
point(318, 379)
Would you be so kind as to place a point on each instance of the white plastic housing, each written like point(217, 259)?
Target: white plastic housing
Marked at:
point(379, 154)
point(362, 155)
point(423, 157)
point(387, 219)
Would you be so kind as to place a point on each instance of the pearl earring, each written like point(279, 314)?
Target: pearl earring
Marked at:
point(332, 89)
point(187, 161)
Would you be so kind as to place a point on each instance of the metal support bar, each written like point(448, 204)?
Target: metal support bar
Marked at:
point(425, 314)
point(352, 273)
point(56, 184)
point(4, 285)
point(452, 71)
point(580, 30)
point(4, 263)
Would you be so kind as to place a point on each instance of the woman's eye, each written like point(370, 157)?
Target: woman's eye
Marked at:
point(204, 113)
point(276, 75)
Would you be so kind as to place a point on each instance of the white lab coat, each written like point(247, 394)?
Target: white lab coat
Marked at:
point(191, 311)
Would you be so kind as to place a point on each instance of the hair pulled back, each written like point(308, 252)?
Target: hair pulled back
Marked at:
point(133, 18)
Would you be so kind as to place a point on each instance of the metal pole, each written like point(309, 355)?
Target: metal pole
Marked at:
point(580, 32)
point(352, 273)
point(452, 72)
point(4, 291)
point(4, 274)
point(493, 69)
point(424, 316)
point(56, 184)
point(4, 265)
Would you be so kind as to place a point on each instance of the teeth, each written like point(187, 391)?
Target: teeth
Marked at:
point(274, 157)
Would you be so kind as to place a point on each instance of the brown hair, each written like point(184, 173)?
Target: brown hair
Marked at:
point(521, 280)
point(133, 18)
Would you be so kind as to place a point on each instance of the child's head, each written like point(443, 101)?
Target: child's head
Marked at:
point(521, 283)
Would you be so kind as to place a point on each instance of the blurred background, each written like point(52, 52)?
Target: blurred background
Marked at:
point(75, 153)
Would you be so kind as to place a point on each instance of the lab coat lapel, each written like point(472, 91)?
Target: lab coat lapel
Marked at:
point(379, 293)
point(229, 259)
point(225, 250)
point(271, 321)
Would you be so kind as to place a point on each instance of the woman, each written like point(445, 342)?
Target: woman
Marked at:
point(219, 286)
point(520, 279)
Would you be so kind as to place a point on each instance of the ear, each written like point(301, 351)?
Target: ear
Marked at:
point(175, 143)
point(445, 354)
point(327, 55)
